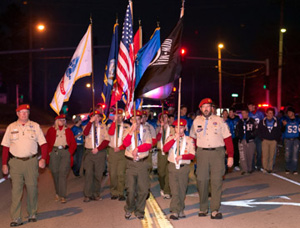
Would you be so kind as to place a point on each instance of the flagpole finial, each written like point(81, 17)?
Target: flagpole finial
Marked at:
point(117, 18)
point(140, 22)
point(91, 19)
point(182, 8)
point(157, 22)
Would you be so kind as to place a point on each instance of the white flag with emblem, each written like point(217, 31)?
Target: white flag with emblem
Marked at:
point(80, 66)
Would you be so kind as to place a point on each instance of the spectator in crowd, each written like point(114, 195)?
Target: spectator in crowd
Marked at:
point(269, 132)
point(78, 134)
point(232, 121)
point(246, 131)
point(291, 126)
point(257, 116)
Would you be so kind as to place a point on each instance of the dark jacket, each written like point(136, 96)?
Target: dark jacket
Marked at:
point(272, 133)
point(250, 129)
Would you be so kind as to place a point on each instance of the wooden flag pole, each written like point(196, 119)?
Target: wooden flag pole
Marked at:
point(162, 115)
point(93, 81)
point(178, 112)
point(117, 21)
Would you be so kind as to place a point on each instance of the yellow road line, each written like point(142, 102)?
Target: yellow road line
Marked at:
point(160, 217)
point(147, 221)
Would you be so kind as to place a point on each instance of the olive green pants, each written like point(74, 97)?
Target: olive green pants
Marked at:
point(116, 169)
point(179, 179)
point(23, 172)
point(94, 165)
point(163, 172)
point(210, 166)
point(60, 167)
point(137, 184)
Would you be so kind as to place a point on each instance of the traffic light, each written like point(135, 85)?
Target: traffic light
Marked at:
point(266, 82)
point(182, 54)
point(65, 109)
point(21, 98)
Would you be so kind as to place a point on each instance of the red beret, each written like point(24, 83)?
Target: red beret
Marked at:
point(205, 101)
point(165, 112)
point(95, 113)
point(23, 106)
point(182, 122)
point(138, 113)
point(144, 112)
point(120, 111)
point(61, 116)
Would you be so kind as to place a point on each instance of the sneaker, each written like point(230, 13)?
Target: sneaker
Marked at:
point(16, 222)
point(174, 216)
point(167, 196)
point(32, 218)
point(295, 173)
point(236, 168)
point(287, 171)
point(63, 200)
point(162, 193)
point(264, 171)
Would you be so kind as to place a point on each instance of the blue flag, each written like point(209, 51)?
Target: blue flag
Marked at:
point(110, 72)
point(146, 54)
point(144, 57)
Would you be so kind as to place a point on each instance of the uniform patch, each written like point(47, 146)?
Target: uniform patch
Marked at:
point(144, 130)
point(215, 123)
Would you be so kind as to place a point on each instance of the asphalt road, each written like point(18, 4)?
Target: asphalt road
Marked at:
point(256, 200)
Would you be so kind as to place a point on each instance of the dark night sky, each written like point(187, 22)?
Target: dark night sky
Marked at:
point(248, 28)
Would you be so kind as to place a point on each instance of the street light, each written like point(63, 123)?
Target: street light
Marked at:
point(282, 31)
point(220, 46)
point(40, 28)
point(88, 85)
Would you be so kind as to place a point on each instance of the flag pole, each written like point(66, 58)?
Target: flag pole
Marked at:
point(162, 115)
point(117, 21)
point(178, 112)
point(93, 82)
point(182, 9)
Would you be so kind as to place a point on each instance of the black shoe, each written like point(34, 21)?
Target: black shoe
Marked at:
point(217, 216)
point(16, 222)
point(127, 215)
point(202, 214)
point(140, 217)
point(174, 216)
point(122, 198)
point(114, 197)
point(32, 218)
point(86, 199)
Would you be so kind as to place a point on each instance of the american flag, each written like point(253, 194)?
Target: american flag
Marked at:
point(125, 76)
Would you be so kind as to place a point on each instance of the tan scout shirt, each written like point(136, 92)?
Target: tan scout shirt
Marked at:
point(210, 133)
point(103, 136)
point(151, 129)
point(22, 140)
point(61, 139)
point(122, 131)
point(169, 130)
point(189, 148)
point(146, 138)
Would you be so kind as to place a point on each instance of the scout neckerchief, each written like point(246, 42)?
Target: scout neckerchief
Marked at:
point(97, 135)
point(119, 133)
point(166, 135)
point(139, 136)
point(181, 150)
